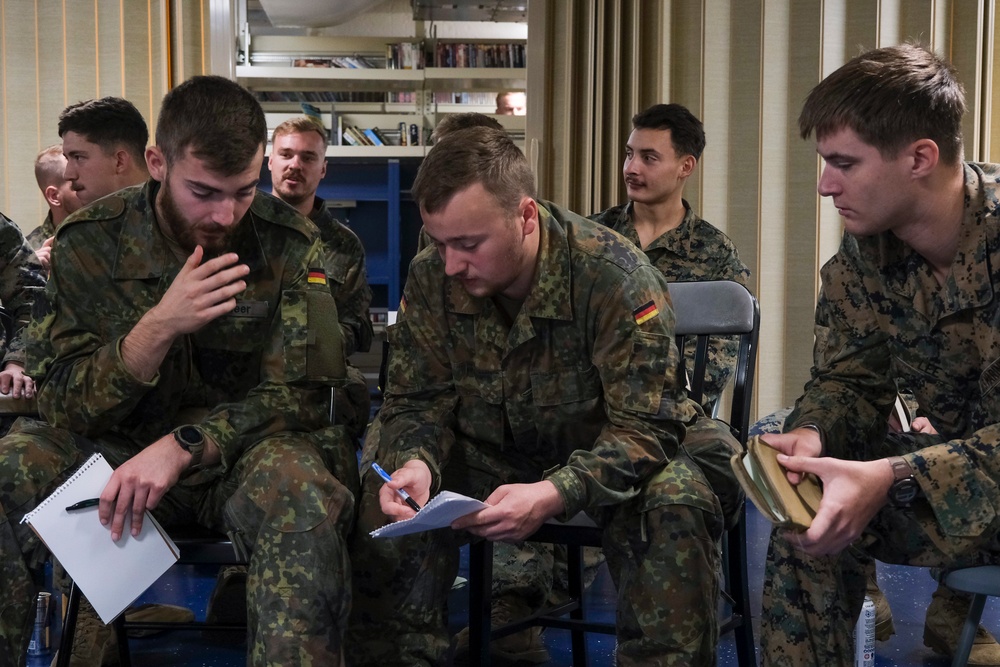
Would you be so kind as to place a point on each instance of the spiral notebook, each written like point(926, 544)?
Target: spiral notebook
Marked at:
point(443, 508)
point(111, 574)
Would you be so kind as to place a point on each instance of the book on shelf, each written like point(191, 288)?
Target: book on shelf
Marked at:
point(355, 61)
point(404, 55)
point(457, 54)
point(372, 137)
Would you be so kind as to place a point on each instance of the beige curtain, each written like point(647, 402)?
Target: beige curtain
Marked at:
point(56, 52)
point(743, 67)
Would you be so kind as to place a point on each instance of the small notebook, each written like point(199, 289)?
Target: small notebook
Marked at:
point(443, 508)
point(764, 480)
point(111, 574)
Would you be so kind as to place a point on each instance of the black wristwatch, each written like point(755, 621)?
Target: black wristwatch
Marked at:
point(191, 440)
point(904, 487)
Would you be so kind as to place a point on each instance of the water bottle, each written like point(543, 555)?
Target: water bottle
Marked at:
point(864, 636)
point(40, 644)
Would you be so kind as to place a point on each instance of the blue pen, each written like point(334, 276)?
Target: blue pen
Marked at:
point(402, 494)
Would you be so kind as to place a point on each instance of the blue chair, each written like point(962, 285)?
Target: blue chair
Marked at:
point(981, 582)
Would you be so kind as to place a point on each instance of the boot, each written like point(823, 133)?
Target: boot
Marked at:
point(884, 627)
point(520, 647)
point(94, 644)
point(943, 626)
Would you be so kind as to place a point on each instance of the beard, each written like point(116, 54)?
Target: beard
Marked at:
point(294, 199)
point(185, 233)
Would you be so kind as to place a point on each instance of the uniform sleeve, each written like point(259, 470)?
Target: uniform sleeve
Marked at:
point(851, 390)
point(646, 404)
point(21, 280)
point(349, 284)
point(418, 415)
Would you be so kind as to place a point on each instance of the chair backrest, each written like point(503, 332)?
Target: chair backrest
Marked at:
point(715, 308)
point(707, 310)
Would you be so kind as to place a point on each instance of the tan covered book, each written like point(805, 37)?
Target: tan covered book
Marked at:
point(766, 484)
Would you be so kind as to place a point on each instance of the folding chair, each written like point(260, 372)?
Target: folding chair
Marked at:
point(703, 310)
point(196, 545)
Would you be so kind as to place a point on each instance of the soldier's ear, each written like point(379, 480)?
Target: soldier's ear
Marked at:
point(51, 194)
point(156, 163)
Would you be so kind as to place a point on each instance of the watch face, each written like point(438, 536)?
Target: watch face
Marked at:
point(189, 435)
point(904, 491)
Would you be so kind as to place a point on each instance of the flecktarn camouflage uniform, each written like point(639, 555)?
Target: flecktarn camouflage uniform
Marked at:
point(582, 390)
point(349, 284)
point(256, 381)
point(37, 236)
point(21, 280)
point(881, 315)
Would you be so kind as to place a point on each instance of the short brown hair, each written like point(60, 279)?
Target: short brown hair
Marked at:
point(50, 167)
point(473, 155)
point(890, 97)
point(217, 119)
point(461, 121)
point(109, 122)
point(299, 125)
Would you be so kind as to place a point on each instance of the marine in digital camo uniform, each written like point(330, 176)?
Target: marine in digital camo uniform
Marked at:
point(880, 316)
point(349, 284)
point(694, 250)
point(911, 295)
point(581, 389)
point(255, 381)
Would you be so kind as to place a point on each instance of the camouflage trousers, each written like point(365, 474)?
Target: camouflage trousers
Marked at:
point(535, 574)
point(661, 546)
point(280, 503)
point(810, 604)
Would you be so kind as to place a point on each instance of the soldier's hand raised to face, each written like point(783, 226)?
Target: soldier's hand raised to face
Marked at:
point(201, 292)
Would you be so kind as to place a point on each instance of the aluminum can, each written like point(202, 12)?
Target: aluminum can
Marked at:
point(40, 643)
point(864, 636)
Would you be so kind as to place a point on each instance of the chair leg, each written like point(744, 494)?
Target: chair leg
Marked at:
point(969, 631)
point(69, 627)
point(739, 588)
point(574, 568)
point(480, 600)
point(121, 634)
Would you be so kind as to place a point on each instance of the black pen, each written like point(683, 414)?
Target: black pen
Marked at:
point(84, 504)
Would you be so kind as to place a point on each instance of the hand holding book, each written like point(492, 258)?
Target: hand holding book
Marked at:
point(766, 484)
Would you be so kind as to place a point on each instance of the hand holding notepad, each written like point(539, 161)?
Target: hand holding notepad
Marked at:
point(766, 484)
point(111, 574)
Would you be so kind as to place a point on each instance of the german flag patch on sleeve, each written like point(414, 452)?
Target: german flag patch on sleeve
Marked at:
point(317, 276)
point(646, 312)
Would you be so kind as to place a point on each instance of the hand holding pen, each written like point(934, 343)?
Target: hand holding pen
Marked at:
point(402, 494)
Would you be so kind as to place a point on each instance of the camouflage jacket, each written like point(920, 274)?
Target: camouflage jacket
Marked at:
point(36, 237)
point(582, 385)
point(347, 276)
point(21, 279)
point(881, 315)
point(694, 250)
point(262, 369)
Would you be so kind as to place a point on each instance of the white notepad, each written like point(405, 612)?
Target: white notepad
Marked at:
point(443, 508)
point(111, 574)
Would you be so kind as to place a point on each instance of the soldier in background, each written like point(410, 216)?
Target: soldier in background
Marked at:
point(50, 174)
point(660, 155)
point(515, 375)
point(298, 164)
point(21, 279)
point(189, 335)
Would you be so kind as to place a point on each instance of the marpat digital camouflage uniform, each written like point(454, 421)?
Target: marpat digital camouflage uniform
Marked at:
point(349, 285)
point(694, 250)
point(881, 315)
point(581, 390)
point(256, 381)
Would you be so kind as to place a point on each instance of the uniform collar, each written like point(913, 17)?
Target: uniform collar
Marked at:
point(673, 240)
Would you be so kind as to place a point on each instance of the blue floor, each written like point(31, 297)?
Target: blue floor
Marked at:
point(908, 591)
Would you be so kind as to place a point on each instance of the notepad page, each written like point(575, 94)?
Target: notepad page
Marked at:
point(111, 574)
point(444, 508)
